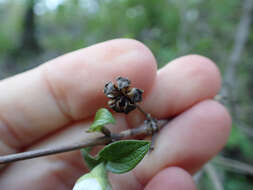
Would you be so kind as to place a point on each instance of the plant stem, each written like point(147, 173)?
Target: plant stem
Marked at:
point(148, 116)
point(141, 130)
point(55, 150)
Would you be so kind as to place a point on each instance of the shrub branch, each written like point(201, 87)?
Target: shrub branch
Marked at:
point(142, 130)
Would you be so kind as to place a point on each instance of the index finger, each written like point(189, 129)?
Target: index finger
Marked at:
point(39, 102)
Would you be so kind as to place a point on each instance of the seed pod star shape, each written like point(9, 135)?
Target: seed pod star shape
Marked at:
point(122, 97)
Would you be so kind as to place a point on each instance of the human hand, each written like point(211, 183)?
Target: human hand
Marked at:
point(52, 104)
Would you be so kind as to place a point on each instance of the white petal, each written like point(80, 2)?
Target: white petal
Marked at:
point(88, 184)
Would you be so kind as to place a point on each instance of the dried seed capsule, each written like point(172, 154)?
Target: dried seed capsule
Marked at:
point(121, 104)
point(123, 98)
point(130, 107)
point(111, 103)
point(135, 95)
point(116, 104)
point(110, 90)
point(122, 83)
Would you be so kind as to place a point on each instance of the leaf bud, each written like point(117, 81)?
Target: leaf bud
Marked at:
point(95, 180)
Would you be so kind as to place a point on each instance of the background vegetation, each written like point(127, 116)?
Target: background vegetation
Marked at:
point(34, 31)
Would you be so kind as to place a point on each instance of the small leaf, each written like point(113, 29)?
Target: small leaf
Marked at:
point(103, 117)
point(90, 161)
point(123, 156)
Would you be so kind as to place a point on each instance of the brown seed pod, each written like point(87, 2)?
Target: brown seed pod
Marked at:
point(135, 94)
point(110, 90)
point(121, 104)
point(123, 83)
point(123, 97)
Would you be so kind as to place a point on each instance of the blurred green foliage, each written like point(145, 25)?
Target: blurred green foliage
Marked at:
point(170, 28)
point(240, 142)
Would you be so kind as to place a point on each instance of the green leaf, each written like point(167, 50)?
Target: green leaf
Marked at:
point(90, 161)
point(123, 156)
point(103, 117)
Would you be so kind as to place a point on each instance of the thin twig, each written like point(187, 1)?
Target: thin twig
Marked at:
point(240, 40)
point(212, 174)
point(198, 176)
point(140, 131)
point(55, 150)
point(148, 116)
point(234, 165)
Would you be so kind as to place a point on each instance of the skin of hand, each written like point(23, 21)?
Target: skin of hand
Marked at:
point(54, 103)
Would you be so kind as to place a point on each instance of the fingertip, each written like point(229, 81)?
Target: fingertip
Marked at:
point(171, 178)
point(199, 59)
point(203, 73)
point(147, 68)
point(208, 70)
point(182, 83)
point(210, 130)
point(217, 113)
